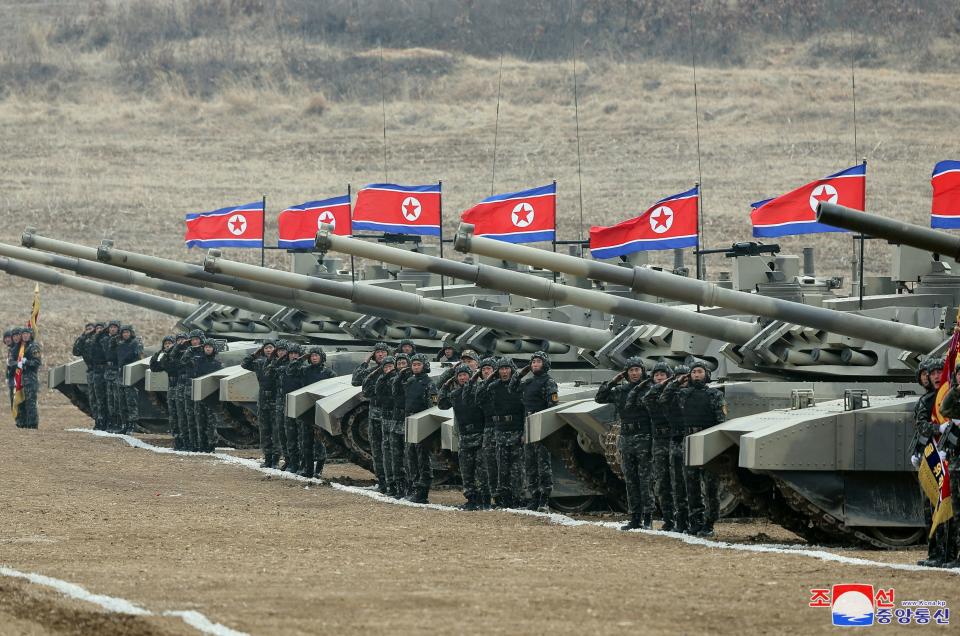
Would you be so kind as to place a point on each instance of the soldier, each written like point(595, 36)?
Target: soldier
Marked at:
point(374, 416)
point(177, 389)
point(447, 354)
point(259, 362)
point(97, 353)
point(928, 377)
point(80, 350)
point(663, 487)
point(128, 348)
point(488, 448)
point(291, 434)
point(275, 372)
point(29, 365)
point(537, 393)
point(395, 443)
point(469, 357)
point(156, 366)
point(702, 408)
point(190, 366)
point(636, 438)
point(506, 413)
point(112, 419)
point(205, 419)
point(407, 347)
point(670, 406)
point(414, 389)
point(457, 393)
point(313, 455)
point(8, 343)
point(947, 537)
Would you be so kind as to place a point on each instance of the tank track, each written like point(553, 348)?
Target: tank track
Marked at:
point(563, 445)
point(610, 451)
point(353, 427)
point(827, 523)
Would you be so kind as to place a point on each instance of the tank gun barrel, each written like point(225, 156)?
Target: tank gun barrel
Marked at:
point(129, 277)
point(890, 229)
point(333, 308)
point(689, 290)
point(52, 277)
point(414, 304)
point(724, 329)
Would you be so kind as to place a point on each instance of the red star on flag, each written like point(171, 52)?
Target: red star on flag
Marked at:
point(659, 217)
point(237, 224)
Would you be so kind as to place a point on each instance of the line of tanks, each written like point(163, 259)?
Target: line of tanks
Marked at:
point(820, 390)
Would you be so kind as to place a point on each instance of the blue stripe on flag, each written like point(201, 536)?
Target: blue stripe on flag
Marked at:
point(426, 230)
point(642, 245)
point(790, 229)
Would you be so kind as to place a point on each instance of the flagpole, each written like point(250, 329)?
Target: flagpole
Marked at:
point(263, 233)
point(440, 185)
point(699, 246)
point(862, 238)
point(576, 115)
point(496, 128)
point(554, 242)
point(383, 107)
point(353, 268)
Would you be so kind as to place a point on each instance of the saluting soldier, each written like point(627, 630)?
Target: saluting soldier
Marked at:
point(537, 392)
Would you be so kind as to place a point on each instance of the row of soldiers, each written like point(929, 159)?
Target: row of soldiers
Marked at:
point(490, 400)
point(943, 547)
point(28, 364)
point(106, 347)
point(656, 412)
point(183, 357)
point(282, 367)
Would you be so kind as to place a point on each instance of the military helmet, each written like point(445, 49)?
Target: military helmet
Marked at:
point(319, 351)
point(461, 368)
point(700, 364)
point(505, 362)
point(488, 362)
point(634, 361)
point(935, 364)
point(28, 330)
point(543, 356)
point(127, 328)
point(381, 346)
point(196, 333)
point(681, 369)
point(470, 353)
point(295, 348)
point(114, 323)
point(182, 336)
point(268, 342)
point(167, 338)
point(283, 344)
point(407, 341)
point(89, 324)
point(401, 356)
point(99, 323)
point(8, 333)
point(16, 331)
point(419, 357)
point(389, 360)
point(661, 367)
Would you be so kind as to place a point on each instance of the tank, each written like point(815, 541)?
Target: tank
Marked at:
point(820, 500)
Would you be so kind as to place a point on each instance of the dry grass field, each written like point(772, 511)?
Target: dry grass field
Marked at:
point(88, 155)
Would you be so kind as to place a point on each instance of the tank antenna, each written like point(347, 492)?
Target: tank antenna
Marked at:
point(696, 113)
point(496, 127)
point(576, 115)
point(383, 107)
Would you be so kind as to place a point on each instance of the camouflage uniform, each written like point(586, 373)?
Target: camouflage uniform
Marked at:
point(205, 418)
point(393, 433)
point(290, 432)
point(157, 366)
point(670, 406)
point(417, 392)
point(374, 416)
point(663, 486)
point(702, 408)
point(190, 363)
point(507, 414)
point(127, 351)
point(80, 350)
point(537, 392)
point(258, 362)
point(97, 352)
point(469, 422)
point(635, 443)
point(313, 455)
point(941, 546)
point(110, 375)
point(27, 416)
point(179, 388)
point(488, 449)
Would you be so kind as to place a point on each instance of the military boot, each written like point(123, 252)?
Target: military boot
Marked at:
point(420, 496)
point(471, 504)
point(647, 521)
point(636, 520)
point(543, 505)
point(485, 502)
point(706, 531)
point(307, 471)
point(534, 502)
point(267, 462)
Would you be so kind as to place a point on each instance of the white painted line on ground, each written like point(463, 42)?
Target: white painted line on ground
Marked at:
point(552, 517)
point(118, 605)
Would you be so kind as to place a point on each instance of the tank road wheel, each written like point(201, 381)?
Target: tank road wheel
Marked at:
point(590, 468)
point(573, 505)
point(354, 427)
point(238, 426)
point(896, 537)
point(729, 500)
point(336, 447)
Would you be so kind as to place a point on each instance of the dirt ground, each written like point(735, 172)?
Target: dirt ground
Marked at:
point(266, 555)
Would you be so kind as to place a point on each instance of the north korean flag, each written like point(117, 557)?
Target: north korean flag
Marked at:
point(670, 223)
point(516, 217)
point(299, 224)
point(239, 226)
point(398, 209)
point(796, 211)
point(945, 212)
